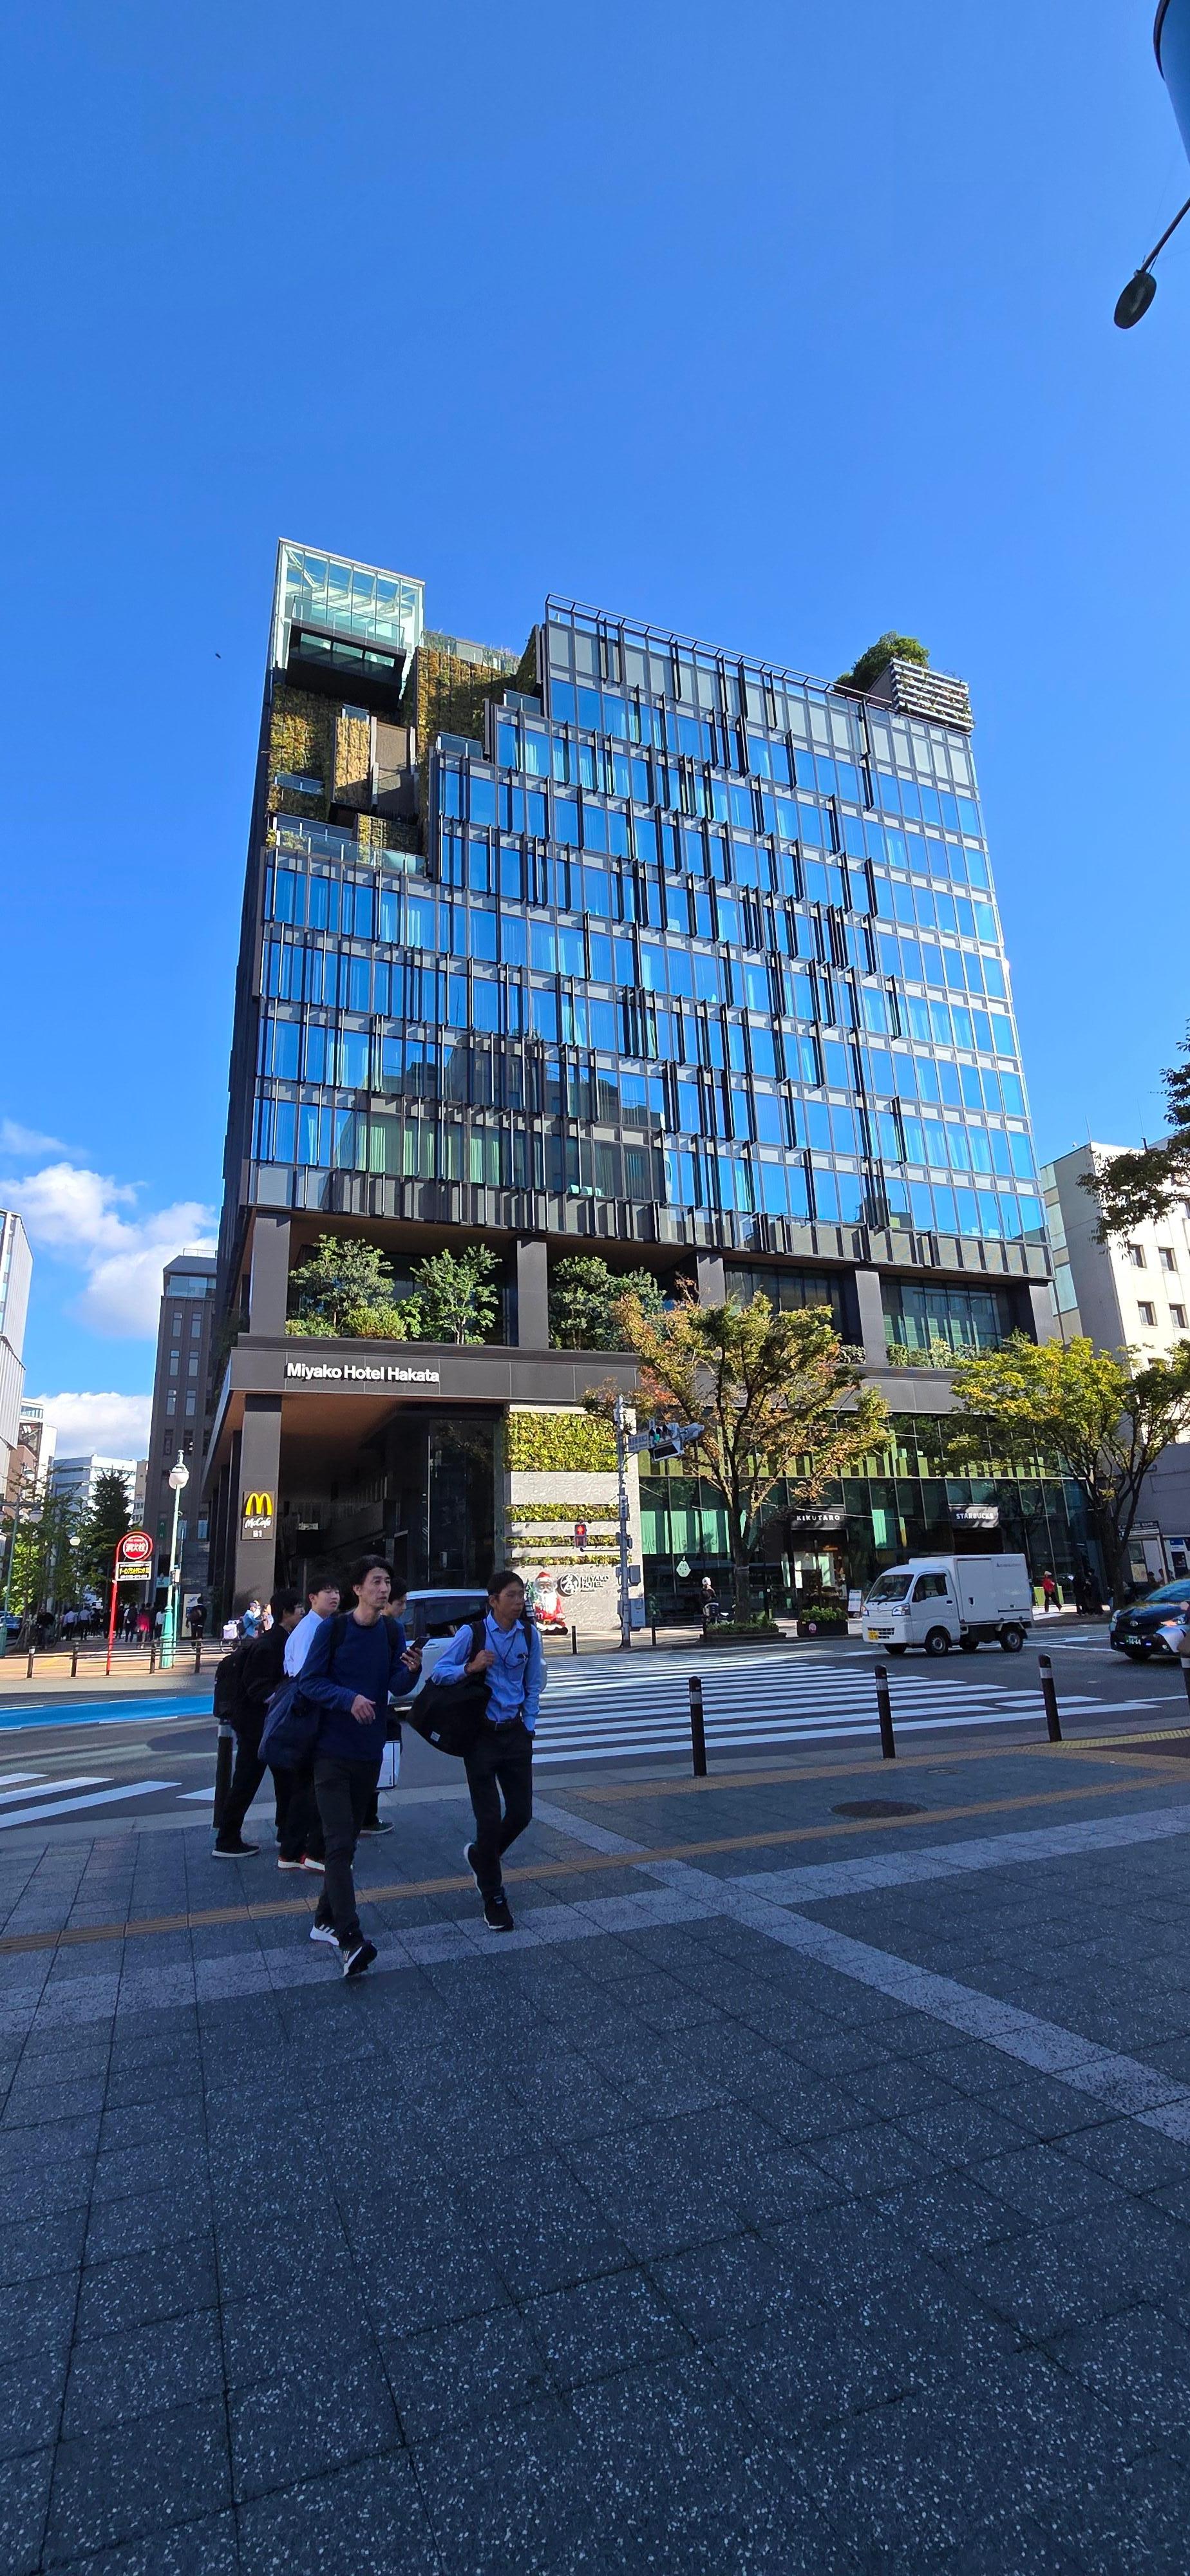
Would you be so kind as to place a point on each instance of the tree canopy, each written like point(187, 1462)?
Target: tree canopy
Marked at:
point(1133, 1187)
point(105, 1520)
point(345, 1289)
point(888, 647)
point(775, 1393)
point(1105, 1418)
point(455, 1296)
point(587, 1304)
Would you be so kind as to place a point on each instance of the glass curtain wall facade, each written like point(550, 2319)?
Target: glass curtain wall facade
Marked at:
point(631, 939)
point(688, 937)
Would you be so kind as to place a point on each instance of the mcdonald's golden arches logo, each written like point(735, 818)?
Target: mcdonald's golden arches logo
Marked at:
point(258, 1516)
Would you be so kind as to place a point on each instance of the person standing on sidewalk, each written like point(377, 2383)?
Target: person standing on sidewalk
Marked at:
point(350, 1673)
point(374, 1822)
point(511, 1663)
point(301, 1831)
point(258, 1667)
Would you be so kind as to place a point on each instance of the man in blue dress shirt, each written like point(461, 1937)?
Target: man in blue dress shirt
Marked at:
point(511, 1664)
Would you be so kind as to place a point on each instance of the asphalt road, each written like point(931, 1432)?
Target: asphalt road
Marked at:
point(94, 1767)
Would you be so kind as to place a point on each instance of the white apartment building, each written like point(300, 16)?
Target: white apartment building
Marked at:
point(75, 1479)
point(16, 1271)
point(1132, 1291)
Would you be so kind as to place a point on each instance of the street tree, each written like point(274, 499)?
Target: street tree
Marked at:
point(101, 1525)
point(587, 1303)
point(1104, 1417)
point(1130, 1188)
point(43, 1553)
point(455, 1295)
point(779, 1401)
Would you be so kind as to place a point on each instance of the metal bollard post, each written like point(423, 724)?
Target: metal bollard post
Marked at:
point(74, 1661)
point(198, 1654)
point(152, 1654)
point(1053, 1723)
point(698, 1741)
point(29, 1666)
point(224, 1751)
point(888, 1744)
point(653, 1630)
point(573, 1638)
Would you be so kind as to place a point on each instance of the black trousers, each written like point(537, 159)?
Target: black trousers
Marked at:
point(300, 1823)
point(246, 1779)
point(344, 1791)
point(501, 1760)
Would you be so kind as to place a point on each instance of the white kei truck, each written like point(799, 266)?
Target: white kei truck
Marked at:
point(937, 1602)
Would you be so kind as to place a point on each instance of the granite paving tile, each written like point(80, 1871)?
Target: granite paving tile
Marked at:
point(26, 2499)
point(174, 2281)
point(37, 2316)
point(599, 2327)
point(118, 2378)
point(1139, 2364)
point(31, 2401)
point(308, 2421)
point(32, 2246)
point(459, 2374)
point(209, 2547)
point(1130, 2524)
point(125, 2482)
point(369, 2520)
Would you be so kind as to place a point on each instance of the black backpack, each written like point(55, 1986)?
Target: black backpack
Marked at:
point(227, 1685)
point(449, 1715)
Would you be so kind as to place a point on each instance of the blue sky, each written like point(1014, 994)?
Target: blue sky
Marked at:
point(782, 328)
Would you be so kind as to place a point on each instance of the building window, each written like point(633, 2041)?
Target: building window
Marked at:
point(1166, 1258)
point(1136, 1255)
point(1147, 1313)
point(1177, 1317)
point(189, 1407)
point(196, 1326)
point(192, 1365)
point(176, 1325)
point(173, 1363)
point(299, 782)
point(171, 1404)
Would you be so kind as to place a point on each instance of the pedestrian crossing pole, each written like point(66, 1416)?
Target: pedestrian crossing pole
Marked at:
point(622, 1491)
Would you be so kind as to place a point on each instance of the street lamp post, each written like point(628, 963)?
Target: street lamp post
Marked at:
point(179, 1478)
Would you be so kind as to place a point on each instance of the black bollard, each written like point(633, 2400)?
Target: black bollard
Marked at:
point(198, 1654)
point(1184, 1660)
point(74, 1661)
point(1053, 1723)
point(698, 1741)
point(29, 1666)
point(573, 1638)
point(888, 1745)
point(224, 1755)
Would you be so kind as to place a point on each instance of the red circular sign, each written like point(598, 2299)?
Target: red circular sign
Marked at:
point(135, 1548)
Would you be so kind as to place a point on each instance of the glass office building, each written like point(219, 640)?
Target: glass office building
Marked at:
point(632, 943)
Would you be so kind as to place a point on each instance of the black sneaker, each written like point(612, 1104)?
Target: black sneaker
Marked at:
point(237, 1850)
point(497, 1913)
point(355, 1961)
point(378, 1825)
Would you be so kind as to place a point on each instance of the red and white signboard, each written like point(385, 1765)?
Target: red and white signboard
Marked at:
point(134, 1557)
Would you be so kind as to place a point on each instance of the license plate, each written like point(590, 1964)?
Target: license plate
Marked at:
point(875, 1635)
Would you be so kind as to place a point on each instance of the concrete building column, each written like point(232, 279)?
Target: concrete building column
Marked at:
point(268, 1283)
point(259, 1474)
point(712, 1281)
point(532, 1294)
point(873, 1332)
point(1035, 1309)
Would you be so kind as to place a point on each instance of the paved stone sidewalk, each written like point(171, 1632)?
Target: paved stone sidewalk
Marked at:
point(793, 2191)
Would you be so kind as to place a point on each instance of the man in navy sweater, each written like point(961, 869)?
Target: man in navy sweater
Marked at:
point(351, 1682)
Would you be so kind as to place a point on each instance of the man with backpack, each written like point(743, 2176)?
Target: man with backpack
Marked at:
point(352, 1670)
point(501, 1652)
point(301, 1831)
point(244, 1684)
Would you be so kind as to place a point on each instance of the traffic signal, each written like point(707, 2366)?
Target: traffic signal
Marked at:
point(669, 1439)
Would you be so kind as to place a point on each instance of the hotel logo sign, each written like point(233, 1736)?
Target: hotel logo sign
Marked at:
point(258, 1516)
point(360, 1373)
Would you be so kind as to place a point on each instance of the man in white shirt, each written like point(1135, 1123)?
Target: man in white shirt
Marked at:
point(323, 1596)
point(301, 1830)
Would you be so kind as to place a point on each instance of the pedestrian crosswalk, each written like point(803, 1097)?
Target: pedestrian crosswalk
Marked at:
point(37, 1797)
point(607, 1711)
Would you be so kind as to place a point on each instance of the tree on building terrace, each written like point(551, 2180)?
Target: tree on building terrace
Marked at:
point(1103, 1419)
point(344, 1290)
point(778, 1397)
point(1134, 1187)
point(588, 1309)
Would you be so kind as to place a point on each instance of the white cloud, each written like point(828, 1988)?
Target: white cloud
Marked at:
point(113, 1426)
point(15, 1139)
point(76, 1214)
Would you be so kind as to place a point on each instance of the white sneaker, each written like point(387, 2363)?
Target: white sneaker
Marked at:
point(323, 1932)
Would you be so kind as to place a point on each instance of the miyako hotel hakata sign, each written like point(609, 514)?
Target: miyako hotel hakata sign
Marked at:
point(361, 1373)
